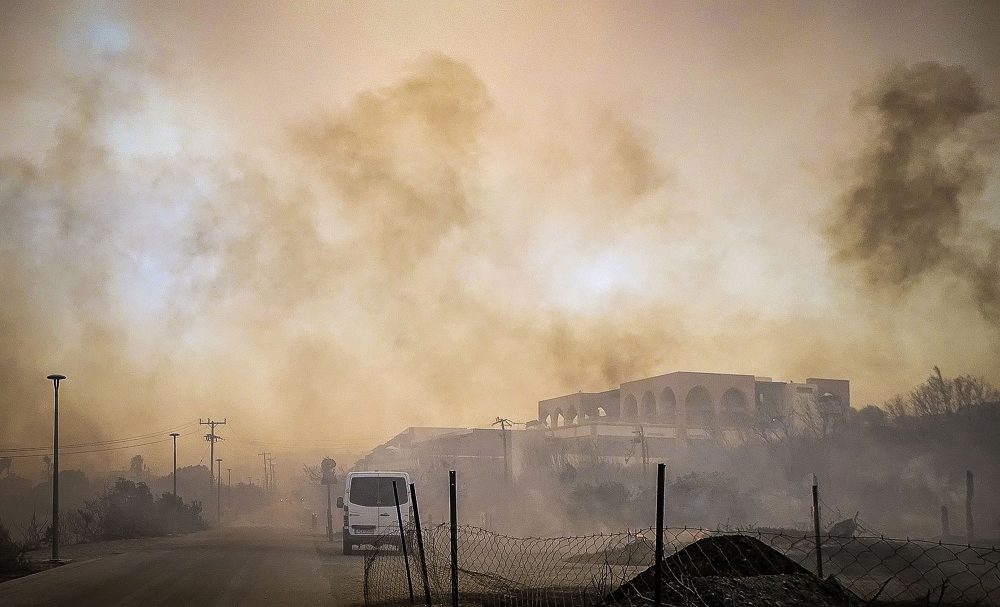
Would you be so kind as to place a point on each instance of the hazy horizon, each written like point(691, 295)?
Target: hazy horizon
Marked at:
point(329, 222)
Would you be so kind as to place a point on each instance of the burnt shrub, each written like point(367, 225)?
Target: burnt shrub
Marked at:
point(12, 559)
point(175, 516)
point(128, 509)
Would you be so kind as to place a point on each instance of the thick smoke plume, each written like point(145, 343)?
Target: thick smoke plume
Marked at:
point(358, 268)
point(909, 214)
point(401, 158)
point(400, 259)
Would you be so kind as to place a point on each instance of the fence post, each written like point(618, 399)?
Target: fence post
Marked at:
point(819, 543)
point(420, 545)
point(969, 487)
point(453, 499)
point(402, 542)
point(658, 572)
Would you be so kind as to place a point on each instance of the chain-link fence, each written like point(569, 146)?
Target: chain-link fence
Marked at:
point(700, 567)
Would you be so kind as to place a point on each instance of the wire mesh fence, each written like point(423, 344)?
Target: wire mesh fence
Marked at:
point(701, 567)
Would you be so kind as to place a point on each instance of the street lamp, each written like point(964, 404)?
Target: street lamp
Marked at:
point(218, 495)
point(56, 378)
point(175, 435)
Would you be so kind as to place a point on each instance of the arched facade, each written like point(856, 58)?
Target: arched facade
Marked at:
point(696, 404)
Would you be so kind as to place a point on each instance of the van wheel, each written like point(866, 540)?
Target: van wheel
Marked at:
point(348, 547)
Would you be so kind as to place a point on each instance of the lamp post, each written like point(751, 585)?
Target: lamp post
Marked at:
point(56, 378)
point(218, 494)
point(175, 435)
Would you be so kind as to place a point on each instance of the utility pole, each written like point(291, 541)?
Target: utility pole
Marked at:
point(211, 438)
point(56, 378)
point(175, 435)
point(229, 485)
point(274, 482)
point(266, 483)
point(504, 425)
point(218, 495)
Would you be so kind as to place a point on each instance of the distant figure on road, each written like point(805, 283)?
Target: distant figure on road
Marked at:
point(314, 519)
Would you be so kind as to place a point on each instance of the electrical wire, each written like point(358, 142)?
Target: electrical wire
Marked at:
point(107, 444)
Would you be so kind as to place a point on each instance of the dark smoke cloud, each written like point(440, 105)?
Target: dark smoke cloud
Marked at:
point(627, 169)
point(400, 158)
point(908, 213)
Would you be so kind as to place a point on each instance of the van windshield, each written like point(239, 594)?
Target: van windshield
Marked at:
point(377, 490)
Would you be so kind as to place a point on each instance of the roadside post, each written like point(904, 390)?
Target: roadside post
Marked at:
point(402, 542)
point(658, 572)
point(453, 499)
point(819, 542)
point(420, 545)
point(329, 467)
point(970, 531)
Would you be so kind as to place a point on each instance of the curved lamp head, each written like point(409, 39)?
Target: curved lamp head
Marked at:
point(175, 434)
point(56, 376)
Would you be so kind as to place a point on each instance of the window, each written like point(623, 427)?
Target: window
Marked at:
point(377, 490)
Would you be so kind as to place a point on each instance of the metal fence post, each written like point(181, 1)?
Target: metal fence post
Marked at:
point(420, 545)
point(402, 543)
point(658, 572)
point(970, 531)
point(819, 543)
point(453, 498)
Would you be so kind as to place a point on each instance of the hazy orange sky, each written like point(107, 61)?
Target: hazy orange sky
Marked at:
point(332, 221)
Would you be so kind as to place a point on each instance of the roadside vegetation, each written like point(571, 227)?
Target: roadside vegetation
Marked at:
point(12, 559)
point(128, 509)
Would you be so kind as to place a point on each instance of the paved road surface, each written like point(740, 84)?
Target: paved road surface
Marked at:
point(236, 566)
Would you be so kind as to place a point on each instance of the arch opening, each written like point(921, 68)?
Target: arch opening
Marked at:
point(668, 405)
point(734, 408)
point(630, 410)
point(699, 408)
point(648, 405)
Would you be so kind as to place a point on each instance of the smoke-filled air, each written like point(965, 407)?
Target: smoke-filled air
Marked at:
point(329, 223)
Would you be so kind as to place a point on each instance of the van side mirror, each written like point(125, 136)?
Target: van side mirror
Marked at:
point(340, 502)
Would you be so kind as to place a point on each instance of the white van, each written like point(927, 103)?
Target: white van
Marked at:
point(370, 508)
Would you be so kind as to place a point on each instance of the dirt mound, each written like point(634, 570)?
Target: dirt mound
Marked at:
point(733, 570)
point(773, 590)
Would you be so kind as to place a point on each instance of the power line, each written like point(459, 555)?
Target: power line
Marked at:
point(155, 442)
point(102, 442)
